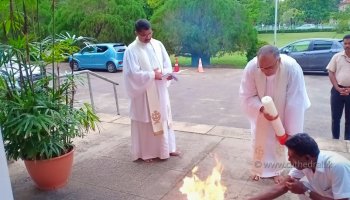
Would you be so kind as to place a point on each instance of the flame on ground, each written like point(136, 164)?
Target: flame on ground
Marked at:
point(209, 189)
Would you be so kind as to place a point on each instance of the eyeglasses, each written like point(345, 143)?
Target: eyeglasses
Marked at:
point(268, 68)
point(145, 35)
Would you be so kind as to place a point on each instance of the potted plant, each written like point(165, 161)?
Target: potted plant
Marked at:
point(37, 117)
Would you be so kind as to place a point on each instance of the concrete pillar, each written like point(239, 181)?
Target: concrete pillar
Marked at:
point(5, 183)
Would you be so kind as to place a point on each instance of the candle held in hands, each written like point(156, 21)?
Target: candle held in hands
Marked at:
point(269, 108)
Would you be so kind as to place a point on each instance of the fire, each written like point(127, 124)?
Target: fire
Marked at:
point(210, 189)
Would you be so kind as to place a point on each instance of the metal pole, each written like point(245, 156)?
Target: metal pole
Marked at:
point(275, 29)
point(116, 98)
point(90, 92)
point(5, 183)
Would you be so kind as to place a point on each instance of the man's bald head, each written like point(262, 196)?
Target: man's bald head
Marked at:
point(268, 59)
point(268, 50)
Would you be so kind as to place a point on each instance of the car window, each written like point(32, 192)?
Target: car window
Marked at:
point(300, 46)
point(119, 49)
point(101, 49)
point(340, 44)
point(119, 45)
point(322, 45)
point(89, 49)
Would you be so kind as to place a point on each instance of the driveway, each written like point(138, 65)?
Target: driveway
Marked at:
point(212, 98)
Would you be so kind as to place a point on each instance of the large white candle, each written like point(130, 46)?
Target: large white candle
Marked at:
point(278, 127)
point(269, 108)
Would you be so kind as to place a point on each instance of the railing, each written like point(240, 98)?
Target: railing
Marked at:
point(88, 73)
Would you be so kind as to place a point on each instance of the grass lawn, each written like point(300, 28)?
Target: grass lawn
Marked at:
point(285, 38)
point(238, 60)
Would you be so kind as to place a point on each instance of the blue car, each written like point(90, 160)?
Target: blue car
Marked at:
point(107, 56)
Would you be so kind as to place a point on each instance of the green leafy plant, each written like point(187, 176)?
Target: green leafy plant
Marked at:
point(37, 116)
point(38, 119)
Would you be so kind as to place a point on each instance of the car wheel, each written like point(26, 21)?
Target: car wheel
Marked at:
point(111, 67)
point(74, 65)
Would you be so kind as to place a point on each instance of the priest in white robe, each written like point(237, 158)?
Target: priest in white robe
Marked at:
point(145, 62)
point(281, 78)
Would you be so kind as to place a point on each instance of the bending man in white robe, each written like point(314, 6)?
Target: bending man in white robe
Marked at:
point(145, 61)
point(280, 77)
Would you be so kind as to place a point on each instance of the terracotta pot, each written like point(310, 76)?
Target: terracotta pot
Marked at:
point(52, 173)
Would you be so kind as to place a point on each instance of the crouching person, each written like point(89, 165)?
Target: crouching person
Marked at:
point(327, 173)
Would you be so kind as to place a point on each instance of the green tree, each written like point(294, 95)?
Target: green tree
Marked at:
point(315, 11)
point(203, 29)
point(35, 11)
point(292, 16)
point(342, 18)
point(106, 21)
point(155, 3)
point(151, 5)
point(147, 8)
point(260, 11)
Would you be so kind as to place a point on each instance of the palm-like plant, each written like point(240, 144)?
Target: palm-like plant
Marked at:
point(38, 119)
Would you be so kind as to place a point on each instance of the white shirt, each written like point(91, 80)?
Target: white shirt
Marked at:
point(331, 178)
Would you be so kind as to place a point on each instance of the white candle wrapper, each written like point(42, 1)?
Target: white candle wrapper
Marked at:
point(278, 127)
point(269, 108)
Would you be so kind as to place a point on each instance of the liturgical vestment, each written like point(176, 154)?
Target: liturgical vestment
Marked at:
point(150, 110)
point(287, 89)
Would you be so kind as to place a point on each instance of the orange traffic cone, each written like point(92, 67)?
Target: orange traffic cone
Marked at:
point(176, 66)
point(200, 67)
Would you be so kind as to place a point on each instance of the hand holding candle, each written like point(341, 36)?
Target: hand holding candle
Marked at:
point(269, 108)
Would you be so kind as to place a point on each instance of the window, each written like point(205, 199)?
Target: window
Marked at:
point(300, 46)
point(322, 45)
point(88, 49)
point(119, 49)
point(101, 49)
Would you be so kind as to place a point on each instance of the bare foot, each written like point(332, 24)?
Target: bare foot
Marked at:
point(278, 179)
point(176, 153)
point(256, 178)
point(148, 160)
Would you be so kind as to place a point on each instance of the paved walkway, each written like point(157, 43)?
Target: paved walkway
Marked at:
point(103, 168)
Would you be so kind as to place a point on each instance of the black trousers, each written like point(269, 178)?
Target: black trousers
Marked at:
point(338, 102)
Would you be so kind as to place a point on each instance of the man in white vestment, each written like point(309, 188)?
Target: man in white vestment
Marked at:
point(145, 62)
point(281, 78)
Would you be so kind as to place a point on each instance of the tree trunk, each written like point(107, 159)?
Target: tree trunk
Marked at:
point(195, 59)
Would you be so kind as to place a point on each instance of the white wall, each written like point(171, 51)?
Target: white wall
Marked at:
point(5, 183)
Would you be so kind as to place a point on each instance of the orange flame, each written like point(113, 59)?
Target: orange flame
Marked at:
point(210, 189)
